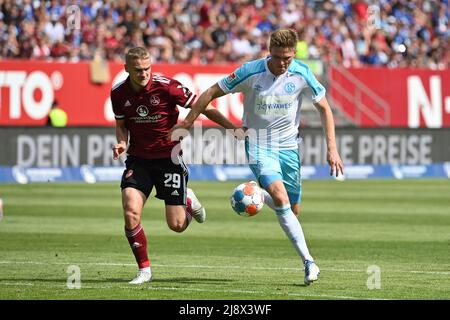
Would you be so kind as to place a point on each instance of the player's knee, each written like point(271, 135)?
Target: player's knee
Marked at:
point(132, 217)
point(176, 218)
point(280, 198)
point(278, 194)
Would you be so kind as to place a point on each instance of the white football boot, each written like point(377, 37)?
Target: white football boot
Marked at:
point(311, 272)
point(142, 277)
point(198, 211)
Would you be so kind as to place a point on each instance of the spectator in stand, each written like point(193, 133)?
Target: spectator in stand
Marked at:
point(41, 50)
point(54, 29)
point(392, 33)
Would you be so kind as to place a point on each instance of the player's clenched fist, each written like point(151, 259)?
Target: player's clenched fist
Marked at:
point(118, 149)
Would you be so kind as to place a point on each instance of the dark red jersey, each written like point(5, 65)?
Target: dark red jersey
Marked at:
point(150, 114)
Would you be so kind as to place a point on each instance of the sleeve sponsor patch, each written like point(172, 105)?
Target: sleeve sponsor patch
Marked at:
point(186, 91)
point(231, 77)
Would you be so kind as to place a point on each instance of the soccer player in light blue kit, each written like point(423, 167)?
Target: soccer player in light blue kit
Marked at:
point(272, 100)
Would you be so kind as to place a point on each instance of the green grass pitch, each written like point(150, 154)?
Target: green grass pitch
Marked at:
point(353, 228)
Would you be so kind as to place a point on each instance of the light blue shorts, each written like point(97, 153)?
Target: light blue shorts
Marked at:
point(271, 165)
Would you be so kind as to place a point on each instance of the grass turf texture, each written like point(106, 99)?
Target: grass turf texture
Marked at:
point(402, 227)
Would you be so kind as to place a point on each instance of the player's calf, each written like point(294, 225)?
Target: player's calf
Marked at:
point(296, 209)
point(177, 218)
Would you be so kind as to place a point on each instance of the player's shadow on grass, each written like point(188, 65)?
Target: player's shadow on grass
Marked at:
point(191, 280)
point(120, 280)
point(161, 280)
point(300, 285)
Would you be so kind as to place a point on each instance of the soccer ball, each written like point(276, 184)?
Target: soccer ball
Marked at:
point(247, 199)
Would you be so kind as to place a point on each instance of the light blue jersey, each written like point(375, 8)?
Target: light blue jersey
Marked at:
point(272, 115)
point(272, 103)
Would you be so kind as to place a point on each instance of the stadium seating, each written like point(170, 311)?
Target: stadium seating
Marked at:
point(395, 33)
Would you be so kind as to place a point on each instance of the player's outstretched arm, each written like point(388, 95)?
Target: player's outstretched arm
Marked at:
point(198, 107)
point(326, 117)
point(215, 115)
point(122, 139)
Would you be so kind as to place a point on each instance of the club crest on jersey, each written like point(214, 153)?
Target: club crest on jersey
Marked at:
point(154, 100)
point(142, 111)
point(289, 87)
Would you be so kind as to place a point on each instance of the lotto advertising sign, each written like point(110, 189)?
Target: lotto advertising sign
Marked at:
point(404, 98)
point(28, 89)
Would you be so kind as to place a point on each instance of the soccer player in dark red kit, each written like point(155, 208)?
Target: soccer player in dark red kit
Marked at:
point(145, 108)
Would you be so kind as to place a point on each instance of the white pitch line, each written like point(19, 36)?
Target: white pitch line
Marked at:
point(16, 284)
point(261, 293)
point(432, 272)
point(445, 273)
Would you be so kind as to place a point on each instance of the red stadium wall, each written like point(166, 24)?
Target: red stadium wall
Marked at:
point(391, 97)
point(408, 98)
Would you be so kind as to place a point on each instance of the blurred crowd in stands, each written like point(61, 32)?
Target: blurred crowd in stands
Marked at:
point(392, 33)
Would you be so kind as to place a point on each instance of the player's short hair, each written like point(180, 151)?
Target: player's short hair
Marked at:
point(283, 38)
point(137, 53)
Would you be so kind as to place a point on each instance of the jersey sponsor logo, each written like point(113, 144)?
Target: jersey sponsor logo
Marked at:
point(147, 119)
point(274, 105)
point(154, 100)
point(127, 103)
point(142, 110)
point(289, 87)
point(175, 193)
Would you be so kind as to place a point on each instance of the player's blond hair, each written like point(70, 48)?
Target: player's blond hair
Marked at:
point(137, 53)
point(283, 38)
